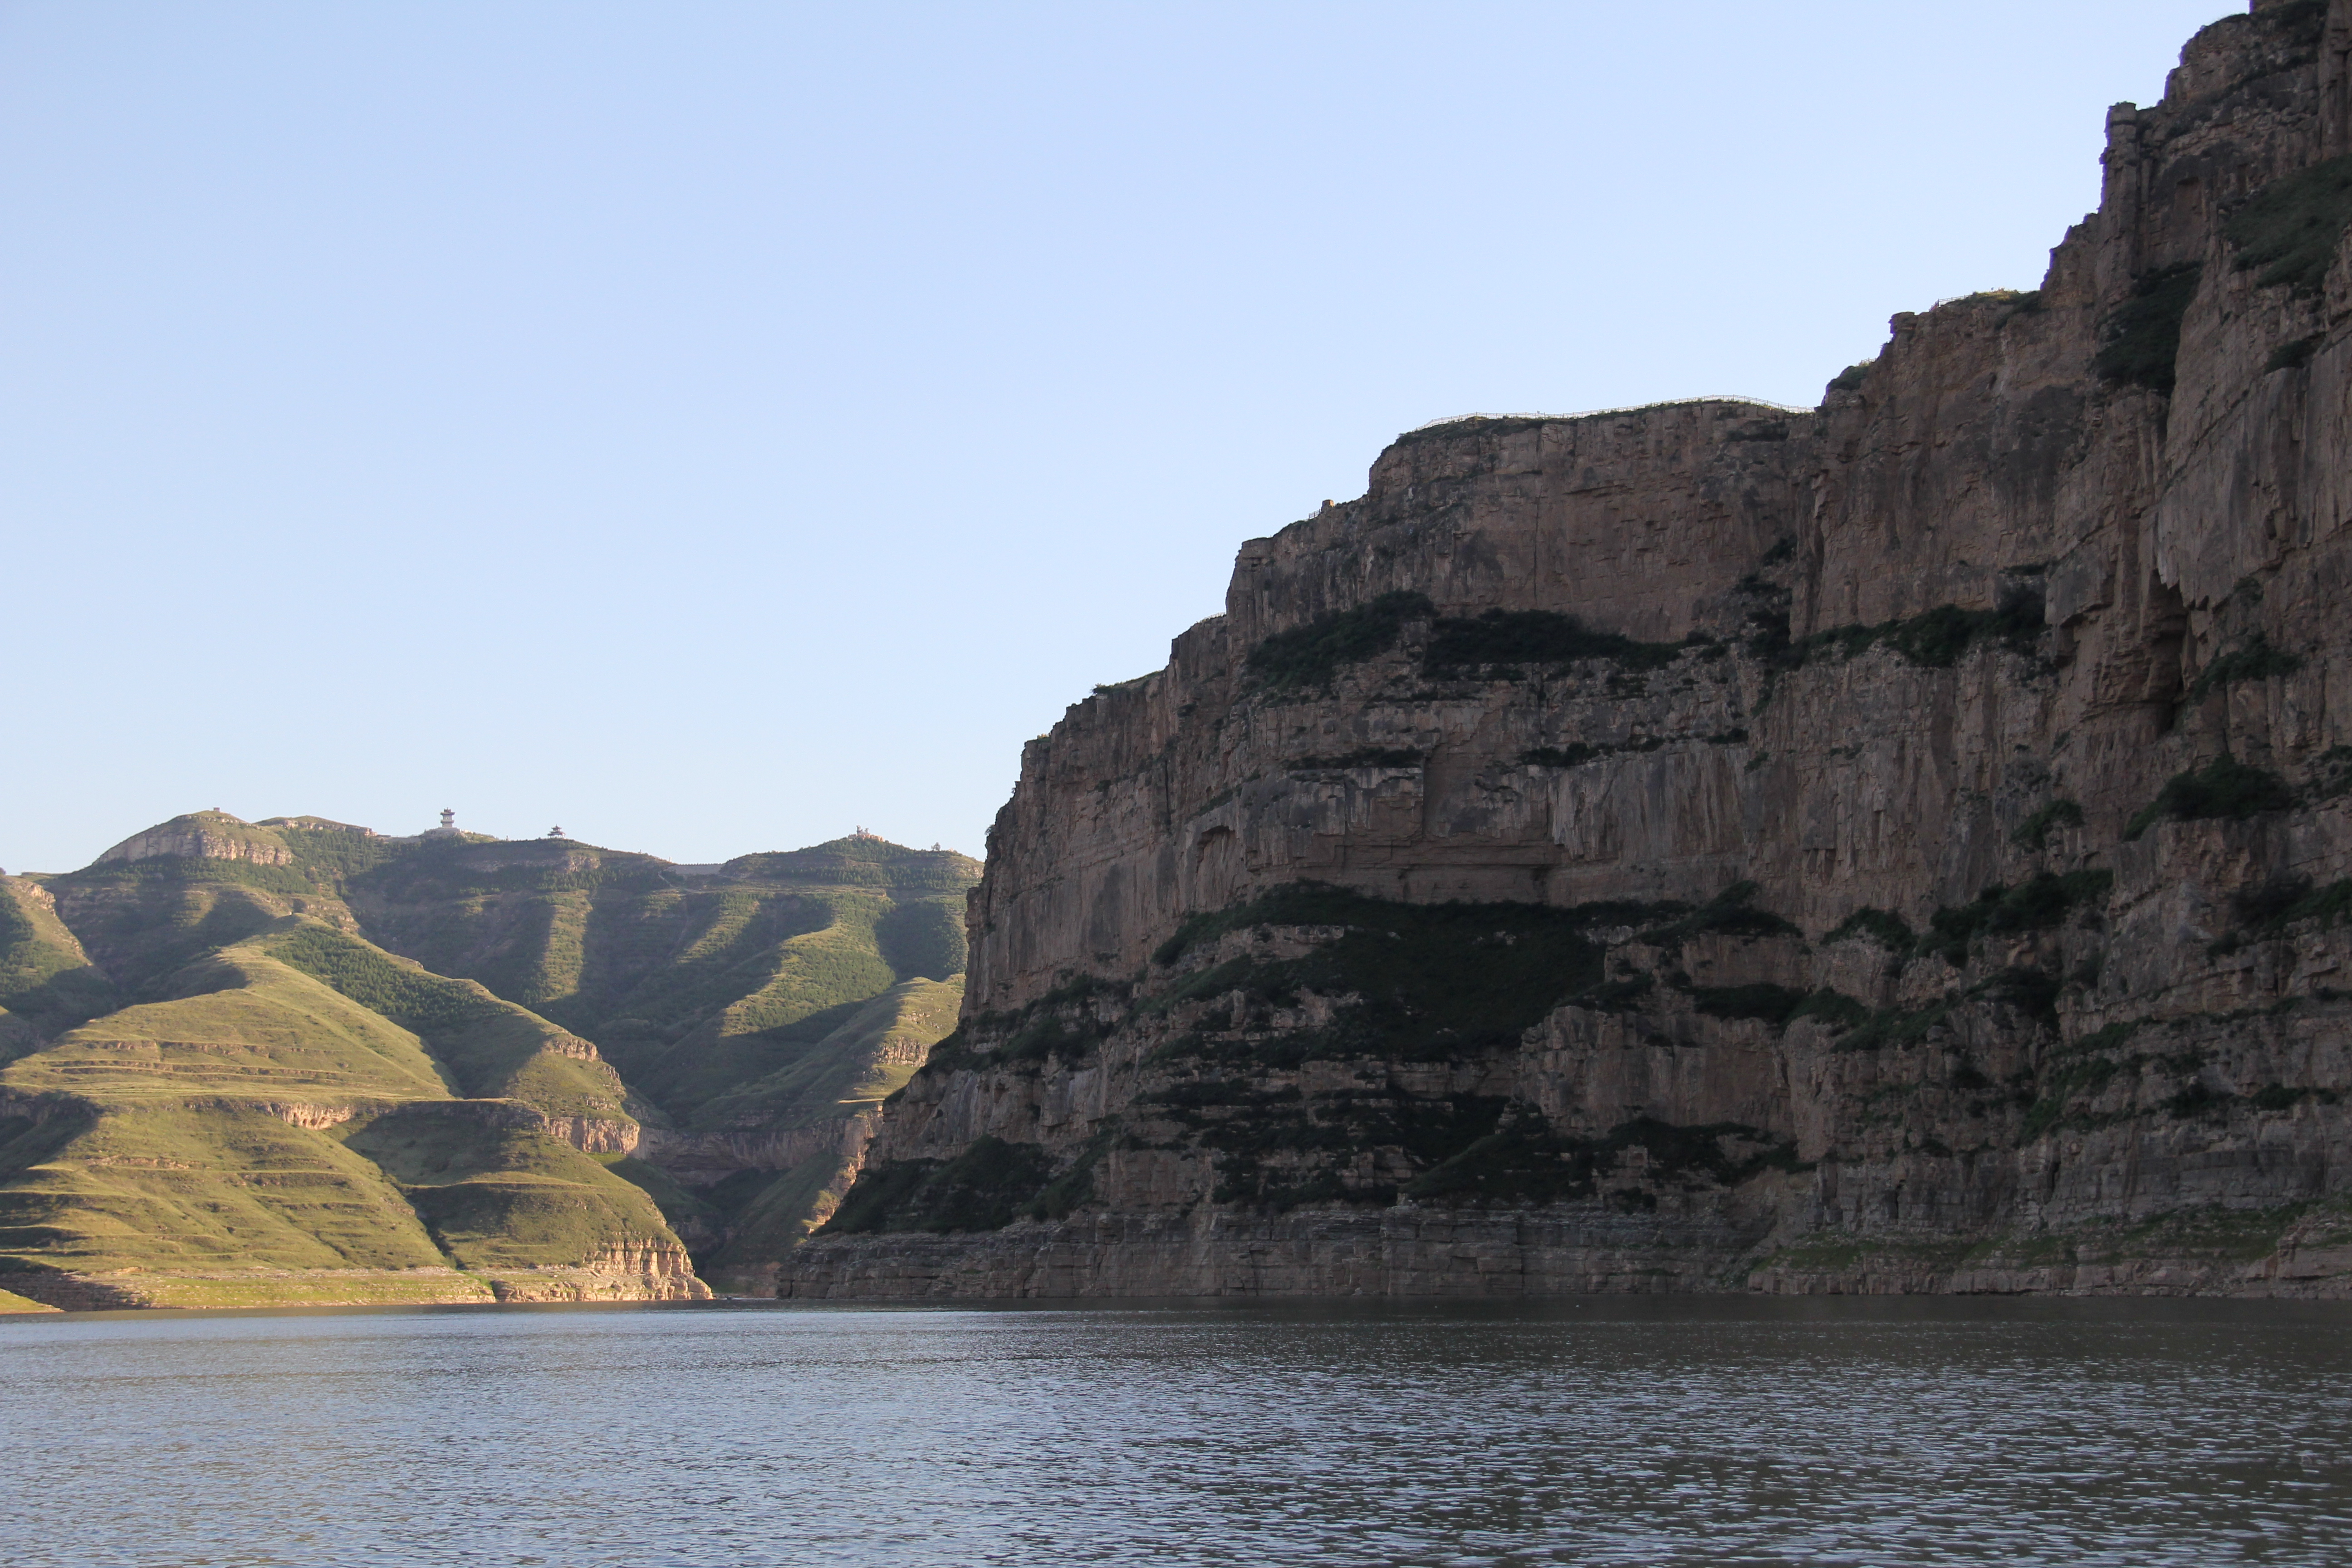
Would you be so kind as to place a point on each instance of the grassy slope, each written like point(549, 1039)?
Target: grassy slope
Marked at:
point(47, 981)
point(771, 1000)
point(502, 1196)
point(147, 1139)
point(697, 956)
point(209, 1187)
point(143, 923)
point(895, 916)
point(491, 1049)
point(687, 1211)
point(168, 1186)
point(854, 1068)
point(848, 1069)
point(242, 1024)
point(519, 918)
point(692, 989)
point(800, 983)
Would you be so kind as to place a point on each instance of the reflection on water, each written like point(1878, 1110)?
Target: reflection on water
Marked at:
point(1644, 1431)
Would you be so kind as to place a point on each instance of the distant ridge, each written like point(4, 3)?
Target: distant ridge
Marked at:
point(301, 1060)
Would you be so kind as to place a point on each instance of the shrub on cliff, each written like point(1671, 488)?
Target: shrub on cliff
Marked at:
point(2224, 788)
point(2140, 339)
point(1932, 639)
point(2269, 909)
point(2331, 774)
point(2256, 659)
point(1889, 930)
point(1433, 981)
point(2033, 992)
point(987, 1187)
point(1310, 654)
point(1523, 1161)
point(1937, 638)
point(2033, 833)
point(1731, 912)
point(2294, 354)
point(1461, 645)
point(2044, 902)
point(2291, 227)
point(1770, 1003)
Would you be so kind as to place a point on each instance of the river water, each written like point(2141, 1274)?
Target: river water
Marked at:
point(1601, 1431)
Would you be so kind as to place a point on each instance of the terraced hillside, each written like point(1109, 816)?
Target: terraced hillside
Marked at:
point(297, 1060)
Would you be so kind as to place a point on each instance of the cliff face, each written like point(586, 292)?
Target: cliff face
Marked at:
point(1902, 845)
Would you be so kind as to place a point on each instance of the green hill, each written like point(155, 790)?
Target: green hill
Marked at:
point(47, 981)
point(840, 1076)
point(297, 1060)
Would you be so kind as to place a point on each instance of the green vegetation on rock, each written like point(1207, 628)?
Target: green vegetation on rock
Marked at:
point(1436, 981)
point(2294, 354)
point(1460, 646)
point(2033, 833)
point(1934, 640)
point(1310, 656)
point(2255, 659)
point(1731, 912)
point(2044, 901)
point(2271, 909)
point(2225, 787)
point(1889, 930)
point(2291, 227)
point(986, 1187)
point(1523, 1161)
point(1369, 1034)
point(2140, 339)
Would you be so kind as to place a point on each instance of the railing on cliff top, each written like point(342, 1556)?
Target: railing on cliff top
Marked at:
point(1629, 408)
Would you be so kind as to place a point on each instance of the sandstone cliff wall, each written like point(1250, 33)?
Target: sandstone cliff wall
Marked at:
point(1940, 797)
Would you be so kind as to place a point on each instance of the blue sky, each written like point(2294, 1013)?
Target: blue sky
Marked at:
point(714, 427)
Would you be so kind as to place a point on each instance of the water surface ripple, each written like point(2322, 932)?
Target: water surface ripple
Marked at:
point(1642, 1431)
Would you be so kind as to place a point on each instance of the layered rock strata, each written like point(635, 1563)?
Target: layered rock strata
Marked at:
point(1901, 846)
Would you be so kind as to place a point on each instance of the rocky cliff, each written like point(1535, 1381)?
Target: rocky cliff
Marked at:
point(1902, 845)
